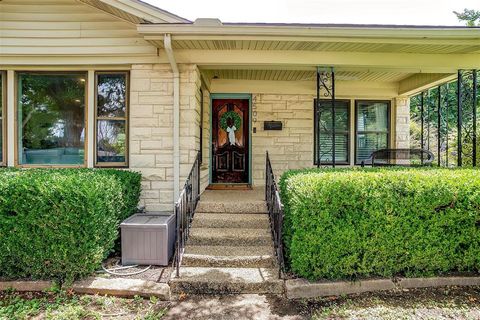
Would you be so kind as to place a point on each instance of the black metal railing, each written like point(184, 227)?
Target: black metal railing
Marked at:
point(275, 212)
point(185, 209)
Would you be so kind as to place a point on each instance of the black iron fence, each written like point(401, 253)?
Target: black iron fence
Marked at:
point(185, 209)
point(444, 119)
point(275, 212)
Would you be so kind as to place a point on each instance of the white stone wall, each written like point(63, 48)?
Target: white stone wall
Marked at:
point(151, 129)
point(402, 122)
point(289, 148)
point(205, 168)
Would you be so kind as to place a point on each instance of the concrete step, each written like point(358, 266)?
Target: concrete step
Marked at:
point(222, 256)
point(197, 280)
point(233, 206)
point(229, 237)
point(225, 220)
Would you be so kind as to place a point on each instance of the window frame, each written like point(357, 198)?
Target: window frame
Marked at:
point(126, 118)
point(389, 124)
point(86, 111)
point(3, 120)
point(346, 133)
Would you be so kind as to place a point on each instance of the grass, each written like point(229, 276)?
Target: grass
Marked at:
point(427, 303)
point(64, 305)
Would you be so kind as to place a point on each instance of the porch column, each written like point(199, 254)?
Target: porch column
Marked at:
point(10, 108)
point(91, 109)
point(402, 122)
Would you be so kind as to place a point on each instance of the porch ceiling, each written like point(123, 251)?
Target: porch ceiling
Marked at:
point(445, 48)
point(302, 75)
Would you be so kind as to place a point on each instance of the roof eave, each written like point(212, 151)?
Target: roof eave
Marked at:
point(307, 31)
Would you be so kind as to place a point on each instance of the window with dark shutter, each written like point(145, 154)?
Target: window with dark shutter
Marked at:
point(324, 132)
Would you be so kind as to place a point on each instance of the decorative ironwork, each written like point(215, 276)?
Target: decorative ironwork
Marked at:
point(448, 120)
point(325, 90)
point(276, 214)
point(467, 117)
point(185, 209)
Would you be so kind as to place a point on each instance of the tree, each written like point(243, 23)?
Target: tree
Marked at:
point(470, 16)
point(52, 111)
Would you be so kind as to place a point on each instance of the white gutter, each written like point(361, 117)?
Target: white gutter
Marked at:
point(167, 41)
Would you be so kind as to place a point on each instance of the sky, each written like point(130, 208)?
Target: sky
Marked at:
point(411, 12)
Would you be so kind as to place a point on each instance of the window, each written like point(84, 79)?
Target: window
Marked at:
point(51, 118)
point(373, 125)
point(324, 131)
point(111, 119)
point(3, 128)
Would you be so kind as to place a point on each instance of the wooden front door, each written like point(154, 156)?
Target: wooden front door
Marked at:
point(230, 140)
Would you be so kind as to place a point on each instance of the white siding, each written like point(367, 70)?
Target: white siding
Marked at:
point(66, 27)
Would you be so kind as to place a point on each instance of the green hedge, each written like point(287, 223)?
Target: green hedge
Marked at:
point(355, 223)
point(130, 185)
point(60, 224)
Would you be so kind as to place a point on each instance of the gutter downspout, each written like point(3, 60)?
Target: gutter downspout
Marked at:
point(167, 41)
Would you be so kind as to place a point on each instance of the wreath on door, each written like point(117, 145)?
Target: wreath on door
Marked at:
point(237, 121)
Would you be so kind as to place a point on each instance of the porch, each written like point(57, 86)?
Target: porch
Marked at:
point(274, 69)
point(307, 118)
point(372, 112)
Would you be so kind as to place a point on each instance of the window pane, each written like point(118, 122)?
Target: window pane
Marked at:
point(111, 95)
point(111, 141)
point(372, 116)
point(341, 147)
point(51, 118)
point(323, 138)
point(341, 117)
point(369, 142)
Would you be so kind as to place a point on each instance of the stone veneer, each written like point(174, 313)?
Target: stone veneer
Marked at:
point(402, 122)
point(151, 129)
point(290, 148)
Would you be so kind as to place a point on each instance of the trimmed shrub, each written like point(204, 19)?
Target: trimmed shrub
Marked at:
point(130, 185)
point(355, 223)
point(58, 224)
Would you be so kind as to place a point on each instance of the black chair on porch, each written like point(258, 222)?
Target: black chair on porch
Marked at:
point(400, 158)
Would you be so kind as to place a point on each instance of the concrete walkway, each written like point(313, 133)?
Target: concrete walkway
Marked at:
point(234, 307)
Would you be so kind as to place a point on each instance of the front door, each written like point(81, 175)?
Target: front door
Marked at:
point(230, 140)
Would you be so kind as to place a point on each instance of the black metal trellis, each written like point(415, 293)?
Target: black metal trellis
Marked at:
point(441, 112)
point(325, 90)
point(439, 125)
point(459, 119)
point(475, 105)
point(422, 128)
point(444, 128)
point(467, 116)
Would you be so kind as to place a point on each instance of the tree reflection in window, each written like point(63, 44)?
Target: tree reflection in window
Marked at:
point(51, 118)
point(111, 119)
